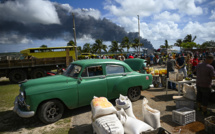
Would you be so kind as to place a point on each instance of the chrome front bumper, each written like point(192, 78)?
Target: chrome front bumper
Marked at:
point(23, 114)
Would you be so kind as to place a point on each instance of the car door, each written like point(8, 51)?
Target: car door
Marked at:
point(114, 75)
point(92, 83)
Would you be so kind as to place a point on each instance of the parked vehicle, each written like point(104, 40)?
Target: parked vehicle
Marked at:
point(137, 64)
point(37, 62)
point(82, 80)
point(20, 70)
point(59, 71)
point(49, 52)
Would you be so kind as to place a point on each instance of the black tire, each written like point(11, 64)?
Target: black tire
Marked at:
point(18, 75)
point(50, 111)
point(134, 93)
point(38, 73)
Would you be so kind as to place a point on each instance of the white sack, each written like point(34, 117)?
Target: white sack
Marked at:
point(131, 125)
point(125, 103)
point(150, 116)
point(101, 106)
point(189, 92)
point(108, 124)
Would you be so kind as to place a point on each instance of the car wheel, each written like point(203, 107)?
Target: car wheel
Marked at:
point(134, 93)
point(18, 75)
point(51, 111)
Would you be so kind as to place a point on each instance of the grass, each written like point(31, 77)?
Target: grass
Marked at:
point(8, 94)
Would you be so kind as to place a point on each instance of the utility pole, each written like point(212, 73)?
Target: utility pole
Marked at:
point(139, 35)
point(76, 57)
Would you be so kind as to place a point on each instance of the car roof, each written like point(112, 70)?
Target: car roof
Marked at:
point(100, 61)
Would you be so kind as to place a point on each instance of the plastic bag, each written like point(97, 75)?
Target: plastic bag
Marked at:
point(131, 125)
point(101, 106)
point(125, 103)
point(189, 92)
point(150, 116)
point(108, 124)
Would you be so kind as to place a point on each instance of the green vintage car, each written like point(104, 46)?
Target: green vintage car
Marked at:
point(47, 97)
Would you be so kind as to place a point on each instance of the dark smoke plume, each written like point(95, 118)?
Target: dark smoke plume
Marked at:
point(95, 28)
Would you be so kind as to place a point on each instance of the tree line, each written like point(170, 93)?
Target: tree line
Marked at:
point(188, 42)
point(115, 46)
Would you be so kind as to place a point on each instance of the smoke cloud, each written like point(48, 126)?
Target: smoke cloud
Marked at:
point(39, 19)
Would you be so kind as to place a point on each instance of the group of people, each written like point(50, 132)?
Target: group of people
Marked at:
point(192, 66)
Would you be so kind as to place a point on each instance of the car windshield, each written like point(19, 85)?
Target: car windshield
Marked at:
point(72, 71)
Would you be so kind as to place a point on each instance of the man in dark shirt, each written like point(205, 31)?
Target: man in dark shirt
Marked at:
point(180, 63)
point(170, 68)
point(204, 72)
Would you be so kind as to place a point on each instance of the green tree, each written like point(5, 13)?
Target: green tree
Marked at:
point(178, 43)
point(115, 47)
point(189, 38)
point(208, 44)
point(71, 43)
point(87, 48)
point(45, 46)
point(79, 49)
point(188, 44)
point(98, 46)
point(125, 43)
point(135, 44)
point(166, 44)
point(162, 46)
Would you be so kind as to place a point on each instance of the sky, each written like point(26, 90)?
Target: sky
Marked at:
point(32, 23)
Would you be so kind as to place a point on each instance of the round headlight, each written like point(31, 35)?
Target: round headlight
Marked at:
point(22, 94)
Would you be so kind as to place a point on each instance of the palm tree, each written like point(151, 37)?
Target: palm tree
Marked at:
point(166, 44)
point(87, 48)
point(135, 45)
point(178, 43)
point(98, 46)
point(189, 38)
point(125, 43)
point(79, 49)
point(71, 43)
point(114, 47)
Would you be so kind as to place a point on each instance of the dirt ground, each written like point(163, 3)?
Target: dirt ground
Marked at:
point(79, 120)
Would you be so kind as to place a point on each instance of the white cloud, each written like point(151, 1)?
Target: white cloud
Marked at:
point(188, 7)
point(85, 13)
point(29, 11)
point(204, 32)
point(212, 17)
point(166, 16)
point(148, 7)
point(67, 7)
point(133, 7)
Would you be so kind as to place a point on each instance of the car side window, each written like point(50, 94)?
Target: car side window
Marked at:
point(114, 69)
point(92, 71)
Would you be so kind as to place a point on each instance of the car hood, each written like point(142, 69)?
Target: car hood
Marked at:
point(47, 84)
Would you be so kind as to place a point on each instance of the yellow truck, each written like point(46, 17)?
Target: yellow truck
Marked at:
point(36, 63)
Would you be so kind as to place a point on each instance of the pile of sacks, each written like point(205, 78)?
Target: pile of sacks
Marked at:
point(106, 119)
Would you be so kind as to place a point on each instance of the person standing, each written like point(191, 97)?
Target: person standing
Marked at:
point(151, 59)
point(170, 68)
point(195, 63)
point(180, 63)
point(205, 73)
